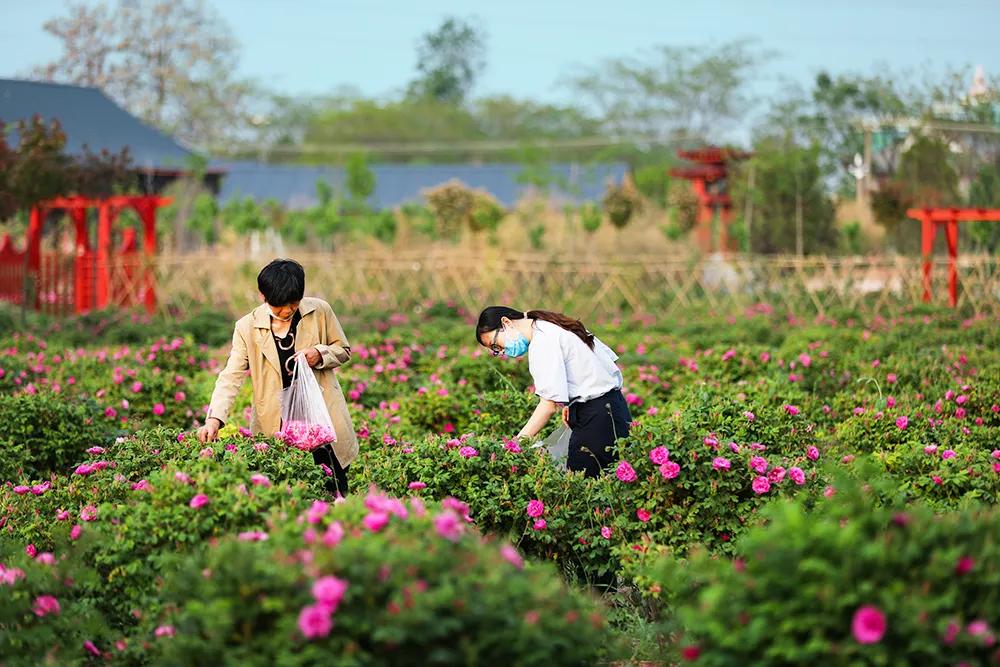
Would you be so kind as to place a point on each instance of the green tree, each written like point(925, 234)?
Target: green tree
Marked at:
point(792, 211)
point(360, 178)
point(449, 60)
point(687, 94)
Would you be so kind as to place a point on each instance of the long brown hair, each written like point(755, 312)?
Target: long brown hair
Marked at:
point(489, 320)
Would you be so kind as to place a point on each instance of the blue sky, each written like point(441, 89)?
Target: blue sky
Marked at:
point(313, 46)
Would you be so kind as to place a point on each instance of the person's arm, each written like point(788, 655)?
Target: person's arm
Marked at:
point(539, 418)
point(336, 350)
point(227, 385)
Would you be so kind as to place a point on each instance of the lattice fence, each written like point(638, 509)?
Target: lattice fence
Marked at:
point(663, 286)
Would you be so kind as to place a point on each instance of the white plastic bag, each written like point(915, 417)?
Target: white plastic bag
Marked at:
point(557, 445)
point(305, 421)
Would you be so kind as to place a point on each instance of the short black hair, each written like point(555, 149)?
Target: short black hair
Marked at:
point(282, 282)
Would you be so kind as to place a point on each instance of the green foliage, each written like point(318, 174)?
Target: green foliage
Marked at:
point(788, 188)
point(793, 590)
point(360, 177)
point(43, 434)
point(653, 181)
point(621, 203)
point(590, 218)
point(449, 60)
point(409, 592)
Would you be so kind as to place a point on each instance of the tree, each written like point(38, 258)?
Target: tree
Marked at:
point(170, 62)
point(687, 94)
point(38, 169)
point(793, 212)
point(448, 61)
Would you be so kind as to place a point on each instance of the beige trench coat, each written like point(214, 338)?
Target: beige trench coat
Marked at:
point(254, 350)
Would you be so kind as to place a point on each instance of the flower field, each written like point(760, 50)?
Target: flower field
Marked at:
point(793, 491)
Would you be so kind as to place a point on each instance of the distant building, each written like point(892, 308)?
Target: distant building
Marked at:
point(91, 119)
point(294, 186)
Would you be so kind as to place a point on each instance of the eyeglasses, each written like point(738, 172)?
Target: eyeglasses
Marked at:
point(493, 346)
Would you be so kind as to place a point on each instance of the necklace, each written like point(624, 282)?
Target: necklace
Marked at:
point(291, 341)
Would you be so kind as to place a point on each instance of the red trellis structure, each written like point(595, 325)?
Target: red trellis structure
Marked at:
point(710, 180)
point(94, 277)
point(930, 219)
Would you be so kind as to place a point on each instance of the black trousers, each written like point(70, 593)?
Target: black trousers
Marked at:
point(338, 482)
point(596, 424)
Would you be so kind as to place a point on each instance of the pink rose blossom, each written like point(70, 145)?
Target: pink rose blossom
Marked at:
point(75, 531)
point(468, 452)
point(449, 526)
point(375, 521)
point(797, 476)
point(758, 464)
point(536, 508)
point(643, 515)
point(90, 648)
point(511, 555)
point(199, 500)
point(776, 475)
point(416, 486)
point(315, 621)
point(659, 455)
point(334, 534)
point(259, 480)
point(88, 513)
point(720, 463)
point(625, 472)
point(252, 536)
point(540, 524)
point(964, 565)
point(670, 470)
point(329, 591)
point(812, 453)
point(606, 532)
point(868, 625)
point(749, 416)
point(902, 422)
point(948, 454)
point(45, 605)
point(792, 410)
point(760, 485)
point(165, 631)
point(159, 409)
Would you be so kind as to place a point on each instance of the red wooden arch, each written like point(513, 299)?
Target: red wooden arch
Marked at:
point(709, 181)
point(930, 219)
point(92, 286)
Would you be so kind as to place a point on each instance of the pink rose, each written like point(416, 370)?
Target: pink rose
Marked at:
point(199, 500)
point(45, 605)
point(670, 470)
point(760, 485)
point(375, 521)
point(902, 422)
point(416, 486)
point(659, 455)
point(868, 625)
point(797, 476)
point(511, 555)
point(606, 532)
point(643, 515)
point(448, 525)
point(536, 508)
point(812, 453)
point(720, 463)
point(329, 591)
point(758, 464)
point(776, 475)
point(540, 524)
point(625, 472)
point(315, 621)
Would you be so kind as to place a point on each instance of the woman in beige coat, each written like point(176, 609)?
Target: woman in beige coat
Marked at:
point(265, 343)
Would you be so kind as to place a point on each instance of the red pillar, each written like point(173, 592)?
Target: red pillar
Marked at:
point(928, 230)
point(103, 288)
point(951, 234)
point(703, 231)
point(83, 279)
point(35, 223)
point(147, 212)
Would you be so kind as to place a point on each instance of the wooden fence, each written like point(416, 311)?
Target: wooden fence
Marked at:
point(662, 286)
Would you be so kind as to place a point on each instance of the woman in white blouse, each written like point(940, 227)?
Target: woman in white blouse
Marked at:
point(572, 370)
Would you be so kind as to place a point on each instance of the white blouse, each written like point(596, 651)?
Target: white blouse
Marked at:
point(564, 368)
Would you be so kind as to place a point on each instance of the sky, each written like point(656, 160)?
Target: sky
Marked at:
point(315, 46)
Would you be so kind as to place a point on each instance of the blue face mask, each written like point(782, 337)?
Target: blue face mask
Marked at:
point(516, 345)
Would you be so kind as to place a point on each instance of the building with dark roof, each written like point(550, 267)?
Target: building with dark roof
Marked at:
point(91, 119)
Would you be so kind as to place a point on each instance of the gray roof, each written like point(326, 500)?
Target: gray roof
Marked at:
point(395, 184)
point(90, 118)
